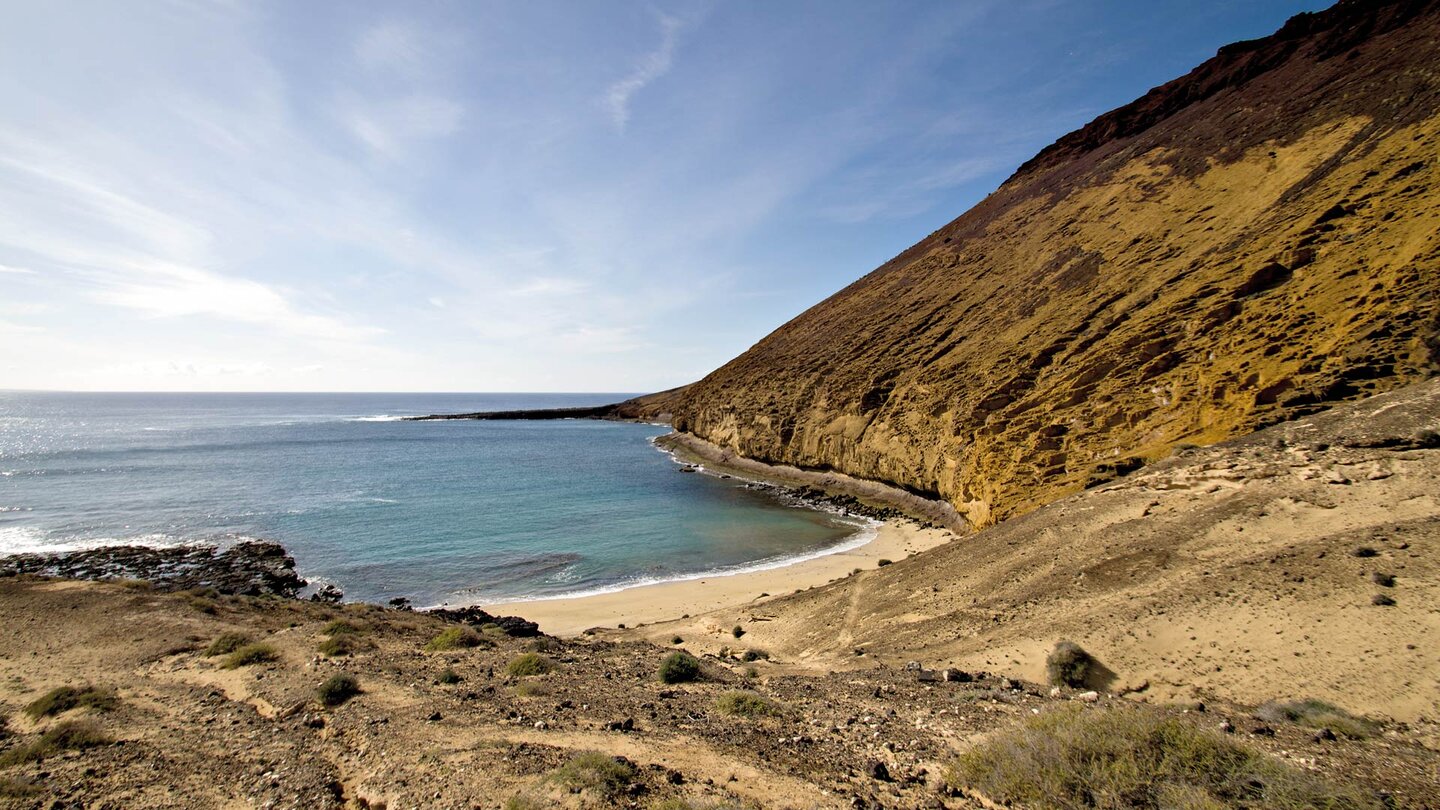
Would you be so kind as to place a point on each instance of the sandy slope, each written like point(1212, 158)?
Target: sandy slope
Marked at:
point(1229, 570)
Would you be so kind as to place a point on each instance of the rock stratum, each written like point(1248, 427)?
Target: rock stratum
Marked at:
point(1244, 245)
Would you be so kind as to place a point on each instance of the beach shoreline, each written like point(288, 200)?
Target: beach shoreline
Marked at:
point(663, 601)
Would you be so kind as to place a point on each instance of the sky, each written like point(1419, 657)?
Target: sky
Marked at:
point(217, 195)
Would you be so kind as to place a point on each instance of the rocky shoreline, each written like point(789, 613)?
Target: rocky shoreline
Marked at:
point(250, 568)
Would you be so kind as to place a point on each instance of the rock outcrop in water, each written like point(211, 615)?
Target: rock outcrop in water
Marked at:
point(1238, 247)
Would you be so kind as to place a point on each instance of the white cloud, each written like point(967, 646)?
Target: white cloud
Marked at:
point(18, 271)
point(655, 64)
point(163, 290)
point(388, 127)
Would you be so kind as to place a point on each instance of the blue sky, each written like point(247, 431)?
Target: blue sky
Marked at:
point(509, 196)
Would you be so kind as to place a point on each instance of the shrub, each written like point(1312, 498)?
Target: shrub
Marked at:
point(227, 643)
point(594, 771)
point(1068, 665)
point(1317, 714)
point(530, 689)
point(341, 627)
point(679, 667)
point(337, 689)
point(448, 676)
point(1382, 579)
point(882, 562)
point(755, 655)
point(69, 736)
point(18, 788)
point(528, 664)
point(520, 801)
point(65, 698)
point(454, 638)
point(1364, 552)
point(677, 640)
point(250, 654)
point(745, 704)
point(334, 646)
point(1382, 600)
point(737, 631)
point(203, 605)
point(1134, 757)
point(677, 803)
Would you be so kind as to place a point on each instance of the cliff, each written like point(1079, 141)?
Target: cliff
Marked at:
point(1241, 246)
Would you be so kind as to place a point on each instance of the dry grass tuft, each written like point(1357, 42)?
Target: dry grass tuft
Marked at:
point(1318, 714)
point(1135, 757)
point(458, 637)
point(74, 735)
point(528, 664)
point(65, 698)
point(250, 654)
point(745, 703)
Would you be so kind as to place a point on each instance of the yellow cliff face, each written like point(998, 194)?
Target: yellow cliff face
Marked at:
point(1239, 260)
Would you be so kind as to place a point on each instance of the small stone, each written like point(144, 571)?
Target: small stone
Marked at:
point(1262, 730)
point(1336, 477)
point(1324, 735)
point(435, 717)
point(1227, 727)
point(875, 769)
point(1088, 697)
point(953, 675)
point(541, 725)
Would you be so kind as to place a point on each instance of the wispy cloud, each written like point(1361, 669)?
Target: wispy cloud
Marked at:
point(655, 65)
point(173, 291)
point(16, 271)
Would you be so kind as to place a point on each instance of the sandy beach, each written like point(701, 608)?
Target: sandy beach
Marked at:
point(894, 540)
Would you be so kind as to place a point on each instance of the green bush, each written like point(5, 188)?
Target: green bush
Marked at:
point(1134, 757)
point(737, 631)
point(1317, 714)
point(679, 667)
point(73, 735)
point(337, 689)
point(677, 640)
point(341, 627)
point(250, 654)
point(745, 704)
point(458, 637)
point(448, 676)
point(65, 698)
point(754, 654)
point(226, 643)
point(1068, 665)
point(882, 562)
point(335, 646)
point(596, 772)
point(528, 664)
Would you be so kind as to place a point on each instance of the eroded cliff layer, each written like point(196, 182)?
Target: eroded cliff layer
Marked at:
point(1236, 248)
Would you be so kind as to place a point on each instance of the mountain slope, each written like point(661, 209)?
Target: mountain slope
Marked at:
point(1234, 249)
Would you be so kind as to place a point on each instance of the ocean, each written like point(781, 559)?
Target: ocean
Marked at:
point(439, 512)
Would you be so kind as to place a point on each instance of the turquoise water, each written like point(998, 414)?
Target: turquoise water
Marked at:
point(454, 512)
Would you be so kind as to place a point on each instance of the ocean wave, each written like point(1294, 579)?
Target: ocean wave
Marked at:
point(31, 540)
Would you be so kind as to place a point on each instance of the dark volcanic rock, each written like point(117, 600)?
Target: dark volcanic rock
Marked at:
point(253, 568)
point(512, 625)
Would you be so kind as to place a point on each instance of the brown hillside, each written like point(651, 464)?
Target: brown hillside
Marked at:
point(1234, 249)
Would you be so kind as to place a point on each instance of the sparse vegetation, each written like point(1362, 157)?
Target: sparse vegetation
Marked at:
point(134, 584)
point(342, 627)
point(448, 676)
point(1317, 714)
point(73, 735)
point(250, 654)
point(677, 803)
point(737, 631)
point(679, 667)
point(1382, 579)
point(593, 771)
point(745, 703)
point(882, 562)
point(65, 698)
point(1364, 552)
point(17, 788)
point(1068, 665)
point(754, 654)
point(530, 689)
point(528, 664)
point(1382, 600)
point(520, 801)
point(458, 637)
point(1134, 757)
point(226, 643)
point(337, 689)
point(338, 645)
point(677, 640)
point(205, 606)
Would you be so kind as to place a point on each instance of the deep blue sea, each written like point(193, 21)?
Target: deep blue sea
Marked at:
point(458, 512)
